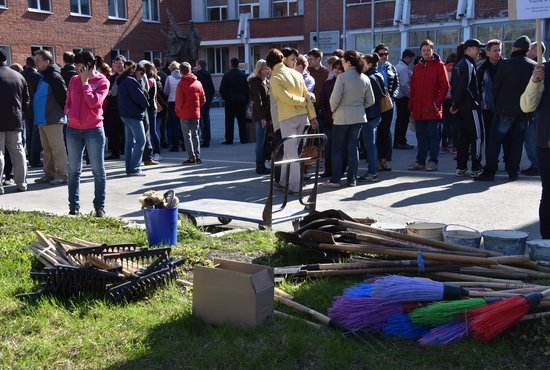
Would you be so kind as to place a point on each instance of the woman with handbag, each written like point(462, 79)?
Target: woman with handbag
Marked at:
point(352, 94)
point(374, 116)
point(258, 85)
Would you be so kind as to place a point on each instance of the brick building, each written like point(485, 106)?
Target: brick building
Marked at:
point(247, 29)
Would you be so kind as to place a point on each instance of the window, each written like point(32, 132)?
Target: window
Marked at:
point(80, 7)
point(117, 9)
point(116, 52)
point(217, 60)
point(79, 50)
point(152, 54)
point(35, 48)
point(150, 10)
point(506, 32)
point(6, 48)
point(216, 10)
point(3, 4)
point(40, 5)
point(445, 40)
point(250, 6)
point(285, 8)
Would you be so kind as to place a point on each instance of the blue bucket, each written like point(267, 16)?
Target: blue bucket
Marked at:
point(161, 225)
point(507, 242)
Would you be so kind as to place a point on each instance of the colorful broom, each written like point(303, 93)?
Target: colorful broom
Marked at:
point(355, 313)
point(444, 311)
point(446, 333)
point(397, 288)
point(401, 326)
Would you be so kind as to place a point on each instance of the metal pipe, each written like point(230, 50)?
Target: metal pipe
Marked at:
point(318, 11)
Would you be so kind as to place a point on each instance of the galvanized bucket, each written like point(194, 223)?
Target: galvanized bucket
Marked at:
point(462, 235)
point(507, 242)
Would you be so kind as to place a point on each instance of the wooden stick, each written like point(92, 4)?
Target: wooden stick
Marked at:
point(323, 319)
point(42, 252)
point(39, 257)
point(184, 282)
point(283, 294)
point(42, 239)
point(455, 276)
point(480, 284)
point(479, 271)
point(538, 35)
point(283, 315)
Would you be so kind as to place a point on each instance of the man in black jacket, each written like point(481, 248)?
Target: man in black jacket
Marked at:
point(34, 147)
point(510, 81)
point(206, 80)
point(14, 100)
point(234, 91)
point(68, 70)
point(466, 101)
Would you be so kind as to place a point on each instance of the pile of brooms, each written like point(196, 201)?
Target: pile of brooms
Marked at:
point(454, 292)
point(119, 272)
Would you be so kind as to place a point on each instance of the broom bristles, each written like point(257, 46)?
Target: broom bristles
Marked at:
point(446, 333)
point(359, 290)
point(362, 312)
point(489, 321)
point(401, 326)
point(397, 288)
point(444, 311)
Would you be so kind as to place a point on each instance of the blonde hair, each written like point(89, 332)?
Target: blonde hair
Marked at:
point(173, 66)
point(260, 64)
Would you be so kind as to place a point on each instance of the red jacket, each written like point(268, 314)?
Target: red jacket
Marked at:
point(189, 97)
point(429, 87)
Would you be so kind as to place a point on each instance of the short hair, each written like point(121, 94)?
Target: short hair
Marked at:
point(543, 47)
point(427, 42)
point(45, 55)
point(379, 47)
point(3, 56)
point(202, 63)
point(185, 68)
point(68, 57)
point(157, 62)
point(289, 51)
point(332, 59)
point(16, 67)
point(355, 59)
point(235, 62)
point(173, 66)
point(84, 57)
point(119, 57)
point(274, 57)
point(29, 62)
point(338, 53)
point(302, 61)
point(492, 42)
point(407, 53)
point(315, 52)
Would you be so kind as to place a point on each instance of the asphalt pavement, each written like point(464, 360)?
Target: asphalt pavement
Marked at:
point(228, 173)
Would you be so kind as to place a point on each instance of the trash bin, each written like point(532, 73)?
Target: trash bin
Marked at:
point(161, 225)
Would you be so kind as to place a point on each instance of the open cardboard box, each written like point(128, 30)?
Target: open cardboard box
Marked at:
point(233, 292)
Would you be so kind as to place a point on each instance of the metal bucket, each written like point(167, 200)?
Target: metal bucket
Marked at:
point(507, 242)
point(428, 230)
point(464, 236)
point(399, 228)
point(539, 249)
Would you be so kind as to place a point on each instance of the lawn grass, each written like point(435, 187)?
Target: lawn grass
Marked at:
point(160, 332)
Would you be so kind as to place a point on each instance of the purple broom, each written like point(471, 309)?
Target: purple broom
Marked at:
point(446, 333)
point(395, 288)
point(355, 313)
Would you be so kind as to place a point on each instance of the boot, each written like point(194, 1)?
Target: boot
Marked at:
point(261, 169)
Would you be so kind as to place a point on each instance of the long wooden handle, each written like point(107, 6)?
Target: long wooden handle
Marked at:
point(323, 319)
point(287, 316)
point(464, 277)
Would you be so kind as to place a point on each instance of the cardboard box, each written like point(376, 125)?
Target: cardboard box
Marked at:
point(233, 292)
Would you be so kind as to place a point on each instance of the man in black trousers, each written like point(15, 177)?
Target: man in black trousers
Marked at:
point(234, 91)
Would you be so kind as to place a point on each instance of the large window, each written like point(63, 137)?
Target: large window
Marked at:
point(6, 48)
point(216, 10)
point(392, 39)
point(40, 5)
point(506, 32)
point(217, 60)
point(285, 8)
point(35, 48)
point(150, 10)
point(79, 50)
point(250, 6)
point(3, 4)
point(80, 7)
point(116, 52)
point(445, 40)
point(150, 55)
point(117, 9)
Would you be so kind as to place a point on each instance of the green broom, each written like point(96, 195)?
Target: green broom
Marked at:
point(444, 311)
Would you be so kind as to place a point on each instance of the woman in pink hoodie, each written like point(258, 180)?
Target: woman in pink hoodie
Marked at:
point(84, 108)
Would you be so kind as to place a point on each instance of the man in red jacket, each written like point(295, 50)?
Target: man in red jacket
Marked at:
point(189, 99)
point(429, 87)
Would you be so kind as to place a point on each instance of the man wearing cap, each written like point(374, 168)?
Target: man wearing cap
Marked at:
point(466, 102)
point(510, 81)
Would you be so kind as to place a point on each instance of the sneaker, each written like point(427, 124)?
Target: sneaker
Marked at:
point(431, 166)
point(22, 187)
point(416, 167)
point(42, 180)
point(369, 177)
point(150, 162)
point(531, 171)
point(74, 212)
point(328, 184)
point(157, 157)
point(461, 173)
point(99, 212)
point(198, 161)
point(58, 182)
point(351, 184)
point(1, 190)
point(8, 182)
point(476, 173)
point(139, 173)
point(189, 161)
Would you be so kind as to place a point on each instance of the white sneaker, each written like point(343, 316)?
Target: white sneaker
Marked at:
point(157, 157)
point(460, 173)
point(431, 166)
point(476, 173)
point(136, 174)
point(416, 167)
point(329, 184)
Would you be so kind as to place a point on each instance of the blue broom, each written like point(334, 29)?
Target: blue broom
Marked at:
point(355, 313)
point(395, 288)
point(446, 333)
point(401, 326)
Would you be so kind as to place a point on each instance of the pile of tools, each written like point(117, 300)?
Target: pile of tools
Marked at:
point(119, 272)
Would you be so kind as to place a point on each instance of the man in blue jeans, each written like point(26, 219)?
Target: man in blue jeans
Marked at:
point(510, 81)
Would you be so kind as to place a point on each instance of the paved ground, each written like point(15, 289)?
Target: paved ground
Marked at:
point(228, 173)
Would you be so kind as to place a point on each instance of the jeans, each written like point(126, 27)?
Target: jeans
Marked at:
point(190, 130)
point(543, 156)
point(205, 124)
point(260, 139)
point(154, 129)
point(134, 143)
point(383, 140)
point(451, 126)
point(344, 140)
point(94, 141)
point(529, 144)
point(499, 129)
point(369, 139)
point(428, 136)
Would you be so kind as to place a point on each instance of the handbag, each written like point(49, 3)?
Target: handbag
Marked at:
point(311, 148)
point(386, 103)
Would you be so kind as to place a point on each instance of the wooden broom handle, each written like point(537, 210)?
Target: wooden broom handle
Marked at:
point(301, 308)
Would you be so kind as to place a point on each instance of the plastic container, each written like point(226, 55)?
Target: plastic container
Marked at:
point(161, 225)
point(428, 230)
point(462, 235)
point(507, 242)
point(539, 249)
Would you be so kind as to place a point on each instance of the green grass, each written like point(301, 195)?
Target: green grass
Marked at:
point(160, 332)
